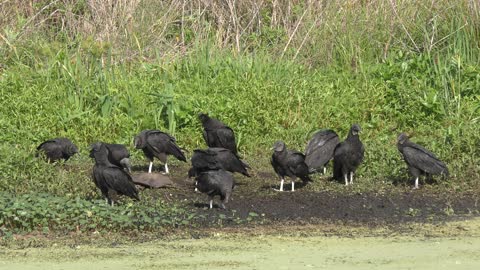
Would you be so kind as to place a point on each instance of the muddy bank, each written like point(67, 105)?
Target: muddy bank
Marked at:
point(255, 198)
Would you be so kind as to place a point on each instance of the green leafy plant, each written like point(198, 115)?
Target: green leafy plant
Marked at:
point(43, 212)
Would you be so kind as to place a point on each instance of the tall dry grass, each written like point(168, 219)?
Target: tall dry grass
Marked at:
point(316, 32)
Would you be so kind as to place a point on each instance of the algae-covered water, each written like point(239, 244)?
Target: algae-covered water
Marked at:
point(258, 252)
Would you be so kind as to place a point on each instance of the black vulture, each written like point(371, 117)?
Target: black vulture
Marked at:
point(217, 134)
point(419, 160)
point(216, 158)
point(348, 156)
point(58, 148)
point(216, 182)
point(155, 143)
point(289, 163)
point(110, 178)
point(118, 155)
point(319, 150)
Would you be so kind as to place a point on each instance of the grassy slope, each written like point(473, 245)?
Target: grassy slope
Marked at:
point(295, 68)
point(261, 99)
point(411, 67)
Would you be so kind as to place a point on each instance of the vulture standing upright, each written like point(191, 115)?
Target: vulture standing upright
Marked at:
point(217, 134)
point(58, 148)
point(319, 150)
point(348, 156)
point(289, 163)
point(419, 160)
point(110, 178)
point(155, 143)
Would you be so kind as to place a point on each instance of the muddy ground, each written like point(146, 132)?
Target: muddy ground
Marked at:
point(323, 225)
point(325, 201)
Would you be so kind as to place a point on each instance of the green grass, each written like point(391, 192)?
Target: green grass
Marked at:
point(43, 213)
point(408, 68)
point(262, 99)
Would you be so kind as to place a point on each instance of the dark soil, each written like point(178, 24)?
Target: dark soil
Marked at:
point(254, 199)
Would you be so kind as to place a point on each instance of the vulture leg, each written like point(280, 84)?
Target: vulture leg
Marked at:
point(346, 179)
point(324, 170)
point(281, 183)
point(224, 201)
point(293, 185)
point(351, 178)
point(109, 200)
point(150, 167)
point(211, 202)
point(416, 183)
point(166, 168)
point(196, 189)
point(416, 174)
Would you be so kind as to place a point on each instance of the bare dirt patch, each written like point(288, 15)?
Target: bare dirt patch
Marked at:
point(254, 199)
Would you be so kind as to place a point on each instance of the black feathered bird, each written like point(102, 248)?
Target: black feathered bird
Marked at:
point(110, 178)
point(289, 163)
point(58, 148)
point(348, 156)
point(419, 160)
point(155, 143)
point(319, 150)
point(216, 182)
point(118, 155)
point(217, 134)
point(214, 159)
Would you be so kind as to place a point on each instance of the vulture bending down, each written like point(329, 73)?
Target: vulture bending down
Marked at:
point(118, 155)
point(110, 178)
point(289, 163)
point(320, 150)
point(58, 148)
point(216, 182)
point(155, 143)
point(215, 159)
point(348, 156)
point(217, 134)
point(419, 160)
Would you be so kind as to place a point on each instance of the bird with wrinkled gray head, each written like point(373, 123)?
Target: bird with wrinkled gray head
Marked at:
point(215, 158)
point(348, 155)
point(118, 155)
point(319, 150)
point(216, 182)
point(289, 163)
point(155, 143)
point(217, 134)
point(110, 178)
point(419, 160)
point(56, 149)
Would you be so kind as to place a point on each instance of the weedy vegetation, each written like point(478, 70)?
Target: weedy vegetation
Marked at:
point(104, 70)
point(44, 212)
